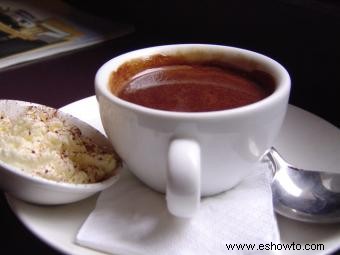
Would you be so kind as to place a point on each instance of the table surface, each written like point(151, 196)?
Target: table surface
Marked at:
point(312, 62)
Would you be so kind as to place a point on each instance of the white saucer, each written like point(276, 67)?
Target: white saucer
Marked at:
point(305, 140)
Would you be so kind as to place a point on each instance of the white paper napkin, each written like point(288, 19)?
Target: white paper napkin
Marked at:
point(132, 219)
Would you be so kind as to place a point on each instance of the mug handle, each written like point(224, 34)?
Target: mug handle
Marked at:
point(183, 189)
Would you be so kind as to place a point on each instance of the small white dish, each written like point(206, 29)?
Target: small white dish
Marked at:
point(38, 190)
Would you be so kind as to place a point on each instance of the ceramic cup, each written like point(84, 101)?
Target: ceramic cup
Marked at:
point(190, 155)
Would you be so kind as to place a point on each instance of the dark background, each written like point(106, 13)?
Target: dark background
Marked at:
point(304, 36)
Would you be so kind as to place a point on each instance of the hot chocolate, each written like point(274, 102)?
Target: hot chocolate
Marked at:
point(192, 87)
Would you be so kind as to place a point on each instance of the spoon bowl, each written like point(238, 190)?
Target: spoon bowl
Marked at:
point(304, 195)
point(39, 190)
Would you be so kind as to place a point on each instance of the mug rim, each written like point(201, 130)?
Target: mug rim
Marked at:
point(282, 88)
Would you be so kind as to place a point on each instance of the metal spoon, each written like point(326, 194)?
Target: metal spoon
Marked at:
point(304, 195)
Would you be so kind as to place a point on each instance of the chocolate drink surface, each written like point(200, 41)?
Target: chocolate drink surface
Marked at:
point(194, 87)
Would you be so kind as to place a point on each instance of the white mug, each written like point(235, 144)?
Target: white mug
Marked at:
point(189, 155)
